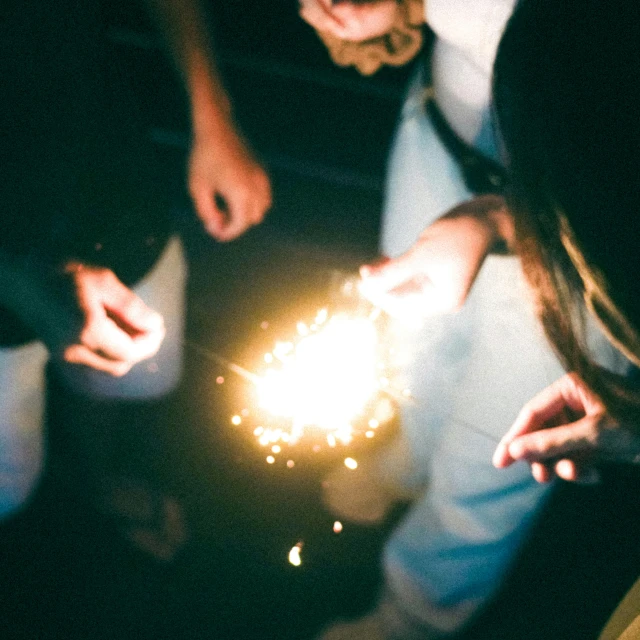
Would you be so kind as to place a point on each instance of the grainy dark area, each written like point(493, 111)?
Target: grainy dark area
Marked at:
point(67, 572)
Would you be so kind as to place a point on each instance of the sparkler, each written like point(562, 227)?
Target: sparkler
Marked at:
point(329, 383)
point(325, 384)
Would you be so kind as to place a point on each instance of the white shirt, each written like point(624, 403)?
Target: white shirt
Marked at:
point(467, 36)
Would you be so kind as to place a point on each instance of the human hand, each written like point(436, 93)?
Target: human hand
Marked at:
point(230, 190)
point(352, 21)
point(436, 274)
point(89, 317)
point(565, 430)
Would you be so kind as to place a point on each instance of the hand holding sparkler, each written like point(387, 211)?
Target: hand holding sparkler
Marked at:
point(563, 431)
point(85, 315)
point(437, 273)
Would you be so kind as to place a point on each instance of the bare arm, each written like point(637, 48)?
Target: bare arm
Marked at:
point(437, 273)
point(221, 166)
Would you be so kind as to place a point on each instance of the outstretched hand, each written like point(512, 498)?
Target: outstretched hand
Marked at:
point(565, 430)
point(437, 273)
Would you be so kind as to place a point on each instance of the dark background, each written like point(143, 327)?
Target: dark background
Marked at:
point(323, 133)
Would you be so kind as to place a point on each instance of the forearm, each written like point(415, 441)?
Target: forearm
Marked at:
point(489, 212)
point(184, 25)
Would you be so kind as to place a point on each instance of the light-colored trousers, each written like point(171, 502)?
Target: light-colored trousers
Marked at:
point(22, 381)
point(470, 374)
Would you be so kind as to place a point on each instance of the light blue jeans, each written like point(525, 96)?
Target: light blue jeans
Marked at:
point(470, 373)
point(22, 381)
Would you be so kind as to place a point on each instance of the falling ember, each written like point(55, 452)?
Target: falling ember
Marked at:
point(337, 526)
point(294, 555)
point(270, 459)
point(370, 434)
point(276, 448)
point(350, 463)
point(373, 423)
point(236, 420)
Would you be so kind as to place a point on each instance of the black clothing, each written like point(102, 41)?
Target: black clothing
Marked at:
point(78, 176)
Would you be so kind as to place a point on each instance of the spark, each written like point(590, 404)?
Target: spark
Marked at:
point(373, 423)
point(270, 459)
point(370, 434)
point(350, 463)
point(236, 420)
point(337, 526)
point(294, 555)
point(219, 380)
point(276, 448)
point(290, 464)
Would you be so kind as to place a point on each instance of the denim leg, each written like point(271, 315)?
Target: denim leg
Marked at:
point(452, 551)
point(22, 388)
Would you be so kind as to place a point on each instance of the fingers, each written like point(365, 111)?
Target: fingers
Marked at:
point(572, 471)
point(549, 404)
point(385, 275)
point(237, 207)
point(349, 20)
point(128, 310)
point(213, 219)
point(79, 354)
point(118, 328)
point(566, 469)
point(575, 438)
point(319, 15)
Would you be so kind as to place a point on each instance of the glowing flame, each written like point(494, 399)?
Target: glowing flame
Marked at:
point(326, 379)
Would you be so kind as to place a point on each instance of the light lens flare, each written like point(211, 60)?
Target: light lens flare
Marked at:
point(326, 379)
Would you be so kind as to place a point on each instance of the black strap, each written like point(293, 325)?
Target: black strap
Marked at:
point(481, 175)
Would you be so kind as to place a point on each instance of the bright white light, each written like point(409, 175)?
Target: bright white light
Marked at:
point(327, 378)
point(294, 555)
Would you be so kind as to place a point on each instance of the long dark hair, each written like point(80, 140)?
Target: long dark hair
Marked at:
point(566, 80)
